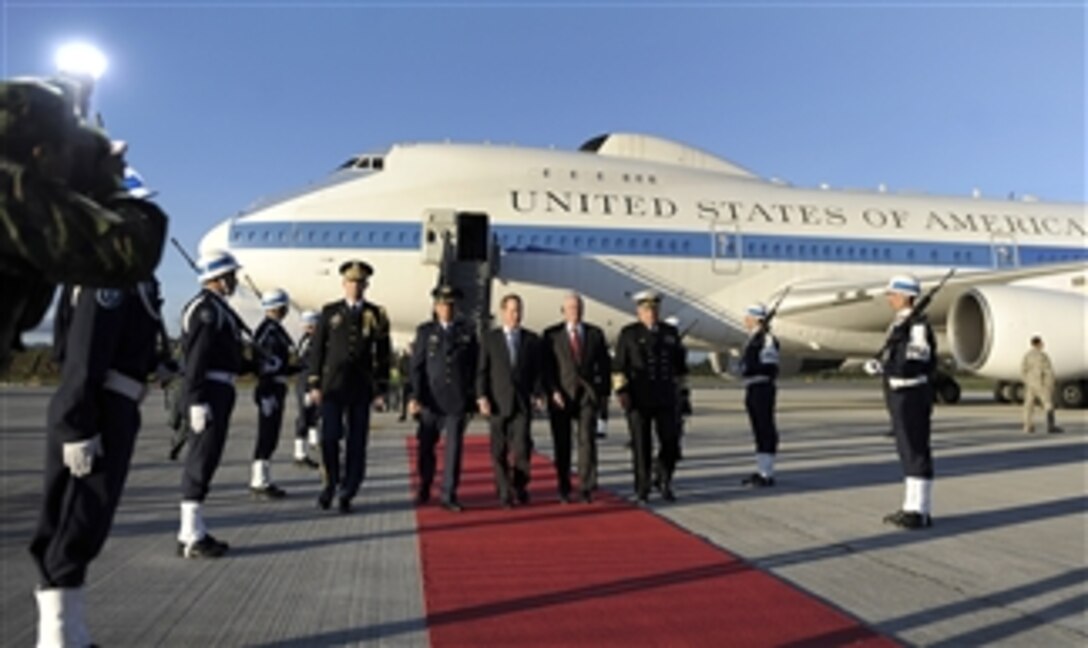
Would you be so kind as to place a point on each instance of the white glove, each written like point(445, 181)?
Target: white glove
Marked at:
point(200, 416)
point(314, 437)
point(307, 400)
point(268, 406)
point(873, 367)
point(79, 455)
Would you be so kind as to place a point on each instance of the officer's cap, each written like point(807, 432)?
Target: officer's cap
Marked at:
point(309, 317)
point(216, 263)
point(756, 310)
point(356, 270)
point(274, 298)
point(647, 297)
point(446, 294)
point(904, 285)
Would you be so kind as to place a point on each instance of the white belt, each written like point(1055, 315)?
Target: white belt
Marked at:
point(283, 380)
point(755, 380)
point(220, 376)
point(130, 388)
point(903, 383)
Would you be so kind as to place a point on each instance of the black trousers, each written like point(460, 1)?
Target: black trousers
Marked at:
point(77, 514)
point(510, 435)
point(911, 409)
point(641, 421)
point(356, 435)
point(432, 426)
point(584, 410)
point(308, 417)
point(206, 448)
point(269, 425)
point(759, 400)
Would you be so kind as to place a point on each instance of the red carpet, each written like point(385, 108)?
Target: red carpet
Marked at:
point(605, 574)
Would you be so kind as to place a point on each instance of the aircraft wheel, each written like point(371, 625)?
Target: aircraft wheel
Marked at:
point(999, 392)
point(949, 391)
point(1071, 394)
point(1018, 393)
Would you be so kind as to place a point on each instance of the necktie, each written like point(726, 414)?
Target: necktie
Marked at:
point(575, 345)
point(512, 345)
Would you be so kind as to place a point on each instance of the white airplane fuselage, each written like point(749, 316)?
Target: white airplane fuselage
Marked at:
point(711, 240)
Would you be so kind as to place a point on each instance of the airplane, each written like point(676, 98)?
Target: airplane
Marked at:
point(628, 211)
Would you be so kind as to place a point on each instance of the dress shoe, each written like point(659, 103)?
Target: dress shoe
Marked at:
point(270, 492)
point(587, 497)
point(453, 506)
point(756, 480)
point(667, 494)
point(643, 501)
point(523, 497)
point(423, 496)
point(344, 505)
point(324, 500)
point(564, 498)
point(206, 547)
point(306, 462)
point(909, 520)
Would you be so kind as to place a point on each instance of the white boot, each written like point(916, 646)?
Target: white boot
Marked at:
point(925, 496)
point(50, 618)
point(300, 449)
point(914, 493)
point(314, 437)
point(260, 479)
point(192, 523)
point(765, 464)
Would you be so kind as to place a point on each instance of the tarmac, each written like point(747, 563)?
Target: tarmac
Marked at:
point(1006, 562)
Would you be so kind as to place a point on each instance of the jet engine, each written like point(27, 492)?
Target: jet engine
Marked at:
point(990, 327)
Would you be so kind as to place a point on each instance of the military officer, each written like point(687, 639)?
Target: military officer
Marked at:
point(1038, 376)
point(349, 368)
point(908, 360)
point(649, 366)
point(307, 420)
point(212, 348)
point(759, 369)
point(107, 342)
point(442, 373)
point(275, 368)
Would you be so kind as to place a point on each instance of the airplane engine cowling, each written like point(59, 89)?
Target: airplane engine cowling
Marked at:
point(989, 329)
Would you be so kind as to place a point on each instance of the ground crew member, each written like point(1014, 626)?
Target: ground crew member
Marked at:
point(442, 373)
point(349, 368)
point(759, 369)
point(1038, 376)
point(212, 347)
point(577, 380)
point(648, 368)
point(908, 361)
point(275, 367)
point(107, 342)
point(307, 420)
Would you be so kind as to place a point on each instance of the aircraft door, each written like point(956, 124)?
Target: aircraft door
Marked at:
point(726, 247)
point(1006, 253)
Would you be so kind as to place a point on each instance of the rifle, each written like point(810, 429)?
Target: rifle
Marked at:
point(916, 312)
point(765, 325)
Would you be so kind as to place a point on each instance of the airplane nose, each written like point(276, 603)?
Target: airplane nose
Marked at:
point(217, 238)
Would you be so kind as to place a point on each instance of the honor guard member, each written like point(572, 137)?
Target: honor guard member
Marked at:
point(273, 373)
point(349, 368)
point(107, 344)
point(577, 379)
point(442, 373)
point(1038, 376)
point(307, 420)
point(212, 347)
point(759, 370)
point(648, 368)
point(909, 359)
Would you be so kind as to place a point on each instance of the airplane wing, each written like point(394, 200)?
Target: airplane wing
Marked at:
point(858, 305)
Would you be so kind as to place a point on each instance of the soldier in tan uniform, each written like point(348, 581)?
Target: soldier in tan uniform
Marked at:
point(1038, 376)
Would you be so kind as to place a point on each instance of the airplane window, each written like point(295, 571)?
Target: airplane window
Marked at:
point(364, 163)
point(283, 236)
point(850, 251)
point(789, 250)
point(910, 254)
point(403, 235)
point(775, 249)
point(626, 178)
point(652, 179)
point(638, 177)
point(415, 237)
point(577, 241)
point(591, 242)
point(827, 250)
point(562, 241)
point(933, 254)
point(633, 243)
point(533, 239)
point(838, 251)
point(763, 249)
point(267, 235)
point(600, 175)
point(573, 175)
point(887, 253)
point(521, 239)
point(687, 245)
point(548, 239)
point(547, 173)
point(325, 236)
point(343, 235)
point(660, 244)
point(604, 242)
point(371, 235)
point(672, 245)
point(379, 164)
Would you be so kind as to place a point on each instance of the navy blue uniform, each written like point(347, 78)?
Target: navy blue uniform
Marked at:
point(759, 369)
point(910, 358)
point(307, 414)
point(349, 363)
point(107, 342)
point(442, 376)
point(212, 347)
point(650, 364)
point(273, 374)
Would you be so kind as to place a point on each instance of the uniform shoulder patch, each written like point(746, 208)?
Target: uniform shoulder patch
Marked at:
point(109, 298)
point(205, 314)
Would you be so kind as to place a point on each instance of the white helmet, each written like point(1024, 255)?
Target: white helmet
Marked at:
point(757, 310)
point(905, 285)
point(274, 298)
point(310, 317)
point(215, 264)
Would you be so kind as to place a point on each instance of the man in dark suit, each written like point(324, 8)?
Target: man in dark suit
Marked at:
point(577, 371)
point(442, 373)
point(349, 368)
point(650, 366)
point(508, 384)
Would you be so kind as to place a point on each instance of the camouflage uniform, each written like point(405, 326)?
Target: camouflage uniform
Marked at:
point(1038, 375)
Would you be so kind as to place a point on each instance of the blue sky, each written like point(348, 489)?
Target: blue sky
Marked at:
point(223, 104)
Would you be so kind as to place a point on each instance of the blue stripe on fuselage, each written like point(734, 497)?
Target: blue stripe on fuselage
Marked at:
point(653, 243)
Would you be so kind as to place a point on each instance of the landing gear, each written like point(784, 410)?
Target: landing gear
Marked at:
point(1071, 395)
point(946, 389)
point(1002, 393)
